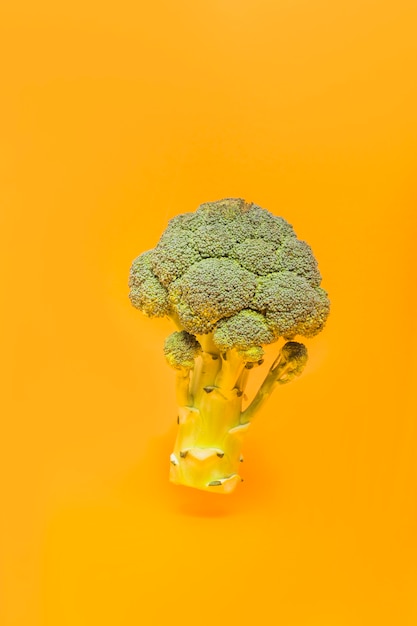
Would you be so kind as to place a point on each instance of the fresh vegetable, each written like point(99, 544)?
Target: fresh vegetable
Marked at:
point(233, 278)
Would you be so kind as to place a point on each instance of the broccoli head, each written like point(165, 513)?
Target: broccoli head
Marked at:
point(233, 277)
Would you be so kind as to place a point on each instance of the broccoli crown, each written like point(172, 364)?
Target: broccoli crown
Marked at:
point(295, 355)
point(235, 270)
point(181, 349)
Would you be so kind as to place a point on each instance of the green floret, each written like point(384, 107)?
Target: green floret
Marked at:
point(291, 305)
point(146, 292)
point(296, 256)
point(217, 240)
point(210, 290)
point(173, 255)
point(317, 319)
point(220, 227)
point(264, 225)
point(243, 331)
point(257, 255)
point(294, 356)
point(181, 349)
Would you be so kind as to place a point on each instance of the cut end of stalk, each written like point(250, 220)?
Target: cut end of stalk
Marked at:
point(224, 485)
point(210, 468)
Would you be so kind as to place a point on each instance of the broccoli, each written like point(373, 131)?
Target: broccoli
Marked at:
point(233, 278)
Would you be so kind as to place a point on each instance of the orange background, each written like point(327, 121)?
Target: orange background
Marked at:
point(116, 116)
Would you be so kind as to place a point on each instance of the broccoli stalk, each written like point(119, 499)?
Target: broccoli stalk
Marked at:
point(211, 422)
point(233, 278)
